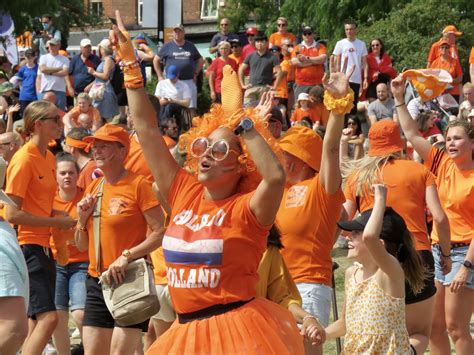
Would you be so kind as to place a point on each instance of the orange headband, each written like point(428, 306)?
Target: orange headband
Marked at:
point(76, 143)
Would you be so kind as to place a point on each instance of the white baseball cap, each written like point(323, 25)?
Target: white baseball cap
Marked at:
point(303, 96)
point(86, 42)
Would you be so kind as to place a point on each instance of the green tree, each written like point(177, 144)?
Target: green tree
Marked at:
point(240, 12)
point(66, 14)
point(408, 32)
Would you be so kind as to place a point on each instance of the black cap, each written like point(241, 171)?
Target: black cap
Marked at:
point(261, 37)
point(393, 226)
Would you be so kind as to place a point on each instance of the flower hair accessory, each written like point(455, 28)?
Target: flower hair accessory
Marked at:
point(340, 106)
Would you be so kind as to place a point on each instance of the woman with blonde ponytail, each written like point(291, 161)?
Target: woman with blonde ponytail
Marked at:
point(31, 184)
point(410, 187)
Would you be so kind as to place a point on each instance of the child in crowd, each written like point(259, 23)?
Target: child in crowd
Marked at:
point(304, 110)
point(84, 121)
point(374, 312)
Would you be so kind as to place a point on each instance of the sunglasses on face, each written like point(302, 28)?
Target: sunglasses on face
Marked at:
point(235, 46)
point(307, 33)
point(375, 45)
point(282, 25)
point(219, 149)
point(250, 35)
point(56, 119)
point(224, 24)
point(351, 124)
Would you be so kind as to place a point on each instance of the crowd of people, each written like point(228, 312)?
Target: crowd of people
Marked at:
point(239, 209)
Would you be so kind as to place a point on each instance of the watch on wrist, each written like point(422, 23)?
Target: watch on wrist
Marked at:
point(127, 254)
point(245, 125)
point(468, 264)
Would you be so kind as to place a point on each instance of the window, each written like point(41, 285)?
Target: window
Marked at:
point(140, 11)
point(96, 7)
point(209, 9)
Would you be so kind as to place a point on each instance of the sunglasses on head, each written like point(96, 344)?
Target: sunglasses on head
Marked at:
point(307, 33)
point(219, 149)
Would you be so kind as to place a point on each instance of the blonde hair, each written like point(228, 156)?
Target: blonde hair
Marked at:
point(85, 96)
point(35, 111)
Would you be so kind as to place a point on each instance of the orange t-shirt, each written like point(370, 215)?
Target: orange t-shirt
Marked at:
point(159, 266)
point(136, 162)
point(435, 51)
point(32, 176)
point(299, 114)
point(282, 89)
point(276, 38)
point(471, 56)
point(308, 243)
point(453, 67)
point(406, 181)
point(67, 235)
point(313, 74)
point(456, 193)
point(321, 112)
point(122, 223)
point(86, 174)
point(93, 113)
point(212, 248)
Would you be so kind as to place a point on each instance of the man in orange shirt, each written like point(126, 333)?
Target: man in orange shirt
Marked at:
point(276, 38)
point(449, 34)
point(308, 58)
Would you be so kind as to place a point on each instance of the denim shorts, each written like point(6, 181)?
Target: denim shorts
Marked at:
point(13, 271)
point(457, 257)
point(71, 286)
point(316, 300)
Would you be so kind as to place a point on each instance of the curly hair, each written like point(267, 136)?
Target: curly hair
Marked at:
point(203, 126)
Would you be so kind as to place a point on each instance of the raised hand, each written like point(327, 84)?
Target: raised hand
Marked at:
point(398, 89)
point(380, 191)
point(265, 105)
point(337, 83)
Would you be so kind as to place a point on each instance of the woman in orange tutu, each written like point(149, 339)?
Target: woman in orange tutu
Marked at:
point(220, 217)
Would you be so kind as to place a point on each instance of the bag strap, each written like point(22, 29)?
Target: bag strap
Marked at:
point(96, 224)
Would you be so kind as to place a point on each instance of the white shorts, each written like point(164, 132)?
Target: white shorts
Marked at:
point(194, 94)
point(316, 300)
point(166, 313)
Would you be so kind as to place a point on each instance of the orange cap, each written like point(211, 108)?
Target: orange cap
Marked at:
point(110, 133)
point(303, 143)
point(384, 138)
point(452, 29)
point(444, 42)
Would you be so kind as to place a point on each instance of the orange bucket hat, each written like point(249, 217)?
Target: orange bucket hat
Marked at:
point(110, 133)
point(429, 83)
point(452, 29)
point(303, 143)
point(384, 138)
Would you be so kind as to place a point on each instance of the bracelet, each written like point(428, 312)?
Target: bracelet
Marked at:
point(129, 65)
point(339, 106)
point(310, 317)
point(443, 255)
point(399, 105)
point(81, 228)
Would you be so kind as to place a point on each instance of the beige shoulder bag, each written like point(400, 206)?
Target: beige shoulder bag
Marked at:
point(135, 299)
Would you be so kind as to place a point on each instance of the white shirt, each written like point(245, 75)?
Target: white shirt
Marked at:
point(353, 51)
point(166, 89)
point(53, 82)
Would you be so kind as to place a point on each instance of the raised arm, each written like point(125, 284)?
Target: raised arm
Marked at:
point(420, 144)
point(162, 164)
point(337, 87)
point(267, 197)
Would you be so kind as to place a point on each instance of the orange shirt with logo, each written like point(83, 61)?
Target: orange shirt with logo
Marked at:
point(276, 38)
point(32, 176)
point(282, 89)
point(406, 181)
point(308, 243)
point(313, 74)
point(453, 67)
point(136, 162)
point(122, 222)
point(456, 193)
point(86, 174)
point(300, 113)
point(212, 248)
point(67, 235)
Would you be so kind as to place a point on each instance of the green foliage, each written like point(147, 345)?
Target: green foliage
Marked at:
point(240, 12)
point(408, 32)
point(66, 14)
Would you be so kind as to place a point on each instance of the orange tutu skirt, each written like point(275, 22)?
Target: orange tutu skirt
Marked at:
point(258, 327)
